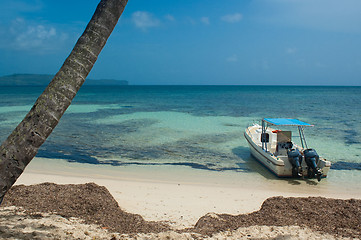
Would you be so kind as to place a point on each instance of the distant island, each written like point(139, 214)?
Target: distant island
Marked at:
point(44, 80)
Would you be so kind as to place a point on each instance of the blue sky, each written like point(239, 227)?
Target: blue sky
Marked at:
point(273, 42)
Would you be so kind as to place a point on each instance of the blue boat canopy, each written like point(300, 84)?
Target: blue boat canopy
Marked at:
point(286, 122)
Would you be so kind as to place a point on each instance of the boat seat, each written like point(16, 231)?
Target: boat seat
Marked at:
point(284, 136)
point(271, 141)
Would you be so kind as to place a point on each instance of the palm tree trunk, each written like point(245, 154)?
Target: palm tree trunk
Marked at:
point(23, 143)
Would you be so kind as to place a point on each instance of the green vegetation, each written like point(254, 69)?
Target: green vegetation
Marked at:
point(44, 80)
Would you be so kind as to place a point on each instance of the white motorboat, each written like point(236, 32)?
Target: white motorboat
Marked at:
point(274, 149)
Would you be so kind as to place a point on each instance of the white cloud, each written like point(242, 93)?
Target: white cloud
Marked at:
point(34, 36)
point(232, 58)
point(205, 20)
point(30, 36)
point(261, 65)
point(169, 17)
point(190, 20)
point(144, 20)
point(291, 50)
point(232, 18)
point(334, 15)
point(16, 6)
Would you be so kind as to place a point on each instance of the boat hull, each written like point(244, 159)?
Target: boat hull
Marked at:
point(266, 160)
point(279, 165)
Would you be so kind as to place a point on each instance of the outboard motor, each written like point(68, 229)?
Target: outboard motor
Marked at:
point(312, 158)
point(295, 158)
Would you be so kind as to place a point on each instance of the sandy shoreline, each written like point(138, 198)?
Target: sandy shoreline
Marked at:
point(180, 196)
point(88, 211)
point(19, 225)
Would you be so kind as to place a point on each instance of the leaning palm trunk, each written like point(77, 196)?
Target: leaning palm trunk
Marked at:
point(23, 143)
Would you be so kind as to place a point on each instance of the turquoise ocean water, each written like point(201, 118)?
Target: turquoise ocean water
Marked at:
point(193, 126)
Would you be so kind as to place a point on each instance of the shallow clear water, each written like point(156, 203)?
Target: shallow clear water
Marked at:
point(196, 126)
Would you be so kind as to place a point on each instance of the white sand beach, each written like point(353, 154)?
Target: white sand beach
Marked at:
point(181, 195)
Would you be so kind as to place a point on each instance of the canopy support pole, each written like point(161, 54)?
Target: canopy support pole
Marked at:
point(264, 143)
point(302, 137)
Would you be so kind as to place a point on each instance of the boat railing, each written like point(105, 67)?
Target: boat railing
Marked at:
point(250, 125)
point(248, 131)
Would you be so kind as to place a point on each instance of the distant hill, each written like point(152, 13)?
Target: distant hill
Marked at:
point(43, 80)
